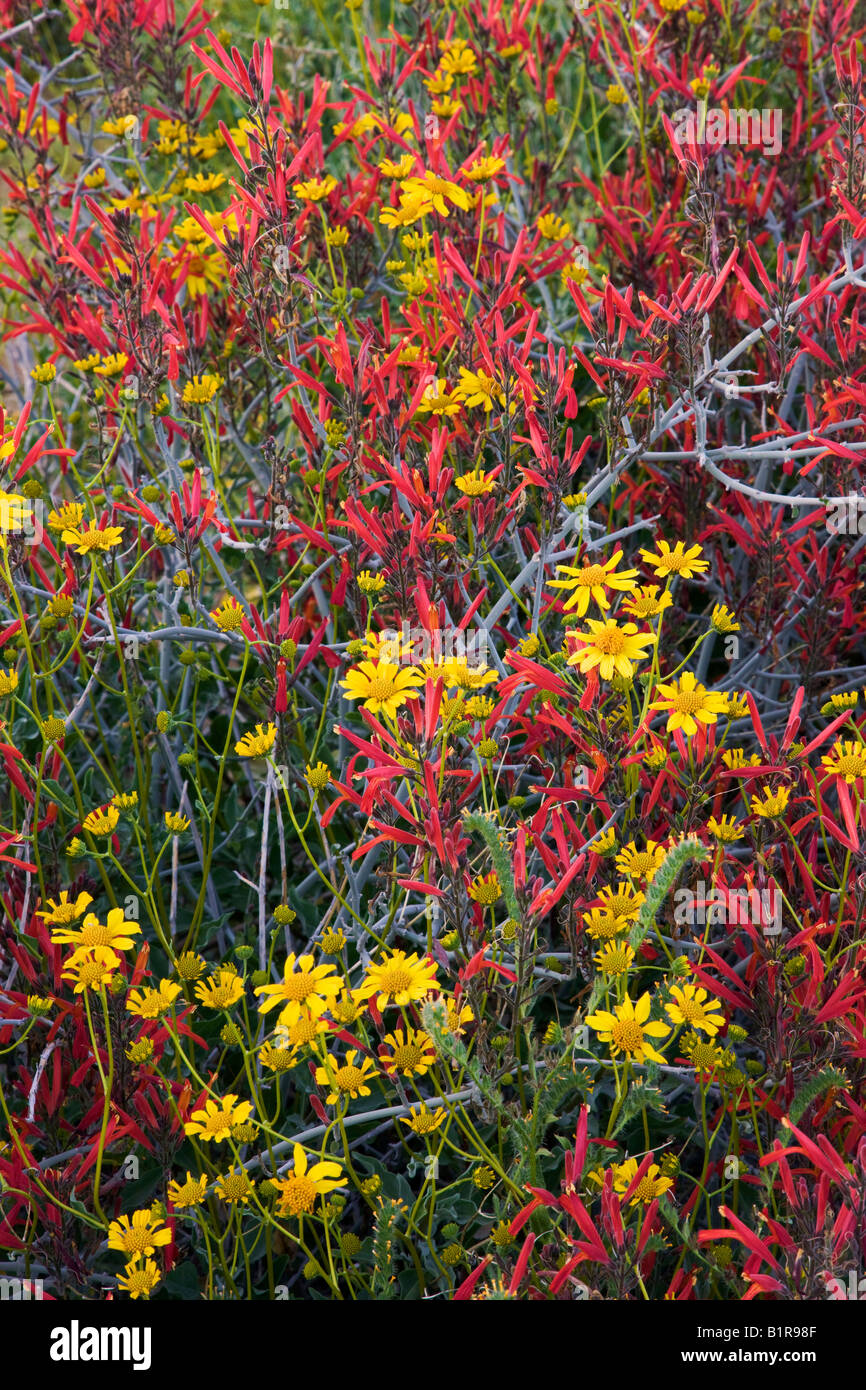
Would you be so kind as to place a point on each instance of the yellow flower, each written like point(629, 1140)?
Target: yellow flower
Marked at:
point(687, 702)
point(229, 616)
point(487, 167)
point(298, 1191)
point(257, 744)
point(399, 979)
point(382, 685)
point(203, 183)
point(644, 604)
point(345, 1079)
point(846, 760)
point(64, 911)
point(152, 1003)
point(339, 236)
point(677, 561)
point(614, 958)
point(112, 365)
point(774, 804)
point(101, 823)
point(627, 1029)
point(318, 777)
point(117, 933)
point(412, 1053)
point(736, 705)
point(613, 649)
point(140, 1236)
point(592, 581)
point(8, 681)
point(553, 228)
point(434, 191)
point(216, 1119)
point(477, 388)
point(235, 1188)
point(637, 863)
point(68, 517)
point(486, 889)
point(221, 990)
point(421, 1120)
point(370, 583)
point(725, 830)
point(397, 168)
point(307, 990)
point(93, 538)
point(278, 1059)
point(175, 823)
point(139, 1278)
point(603, 925)
point(615, 94)
point(437, 401)
point(201, 390)
point(651, 1185)
point(95, 179)
point(190, 1193)
point(314, 190)
point(623, 901)
point(695, 1007)
point(44, 373)
point(722, 619)
point(475, 483)
point(91, 969)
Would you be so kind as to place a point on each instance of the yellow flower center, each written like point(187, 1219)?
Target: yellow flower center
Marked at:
point(304, 1031)
point(299, 1194)
point(234, 1186)
point(137, 1238)
point(645, 1190)
point(610, 641)
point(615, 962)
point(381, 688)
point(139, 1281)
point(703, 1055)
point(619, 907)
point(673, 562)
point(395, 979)
point(91, 536)
point(213, 1124)
point(593, 575)
point(627, 1035)
point(688, 701)
point(90, 972)
point(298, 987)
point(408, 1056)
point(348, 1078)
point(95, 934)
point(851, 765)
point(692, 1011)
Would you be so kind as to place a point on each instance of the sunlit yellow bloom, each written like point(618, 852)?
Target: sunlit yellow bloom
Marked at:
point(314, 190)
point(613, 649)
point(677, 561)
point(477, 388)
point(299, 1190)
point(382, 685)
point(725, 830)
point(235, 1187)
point(216, 1119)
point(553, 228)
point(139, 1236)
point(846, 760)
point(614, 958)
point(201, 390)
point(627, 1029)
point(139, 1278)
point(695, 1007)
point(487, 167)
point(203, 183)
point(345, 1078)
point(190, 1193)
point(421, 1120)
point(91, 969)
point(229, 616)
point(152, 1003)
point(773, 805)
point(64, 911)
point(116, 933)
point(475, 483)
point(93, 538)
point(66, 518)
point(435, 191)
point(411, 1053)
point(306, 990)
point(8, 681)
point(592, 581)
point(644, 604)
point(221, 990)
point(112, 365)
point(486, 889)
point(688, 703)
point(399, 979)
point(101, 822)
point(641, 863)
point(257, 744)
point(722, 619)
point(437, 401)
point(651, 1185)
